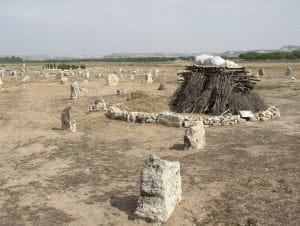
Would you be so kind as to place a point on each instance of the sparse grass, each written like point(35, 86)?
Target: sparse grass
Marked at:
point(146, 102)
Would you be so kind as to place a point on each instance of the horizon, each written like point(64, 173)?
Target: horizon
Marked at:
point(64, 28)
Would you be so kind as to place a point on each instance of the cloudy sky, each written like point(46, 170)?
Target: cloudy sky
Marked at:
point(99, 27)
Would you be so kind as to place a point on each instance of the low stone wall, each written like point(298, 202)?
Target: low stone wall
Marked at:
point(271, 113)
point(178, 120)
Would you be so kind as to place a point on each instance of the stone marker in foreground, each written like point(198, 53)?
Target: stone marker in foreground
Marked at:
point(67, 119)
point(75, 90)
point(194, 137)
point(160, 189)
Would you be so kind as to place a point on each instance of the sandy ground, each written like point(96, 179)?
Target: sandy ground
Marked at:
point(248, 174)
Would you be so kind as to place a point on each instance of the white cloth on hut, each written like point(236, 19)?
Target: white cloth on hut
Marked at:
point(217, 61)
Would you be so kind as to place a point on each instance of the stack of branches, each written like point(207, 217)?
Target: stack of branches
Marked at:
point(215, 90)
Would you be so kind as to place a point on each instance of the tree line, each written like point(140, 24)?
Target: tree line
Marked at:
point(63, 66)
point(271, 56)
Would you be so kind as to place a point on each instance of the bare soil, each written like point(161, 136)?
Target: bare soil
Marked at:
point(248, 174)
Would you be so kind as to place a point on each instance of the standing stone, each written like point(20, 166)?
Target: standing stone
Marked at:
point(67, 119)
point(63, 80)
point(288, 71)
point(87, 74)
point(2, 74)
point(13, 73)
point(156, 71)
point(160, 189)
point(1, 84)
point(261, 71)
point(75, 90)
point(149, 79)
point(195, 137)
point(112, 80)
point(162, 86)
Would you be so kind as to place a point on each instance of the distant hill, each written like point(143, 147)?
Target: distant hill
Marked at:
point(229, 54)
point(288, 48)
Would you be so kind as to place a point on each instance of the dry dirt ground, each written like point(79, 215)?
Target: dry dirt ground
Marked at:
point(248, 174)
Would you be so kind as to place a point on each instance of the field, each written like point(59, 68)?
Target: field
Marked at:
point(248, 174)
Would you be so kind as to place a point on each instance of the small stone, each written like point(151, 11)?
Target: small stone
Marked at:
point(195, 137)
point(162, 86)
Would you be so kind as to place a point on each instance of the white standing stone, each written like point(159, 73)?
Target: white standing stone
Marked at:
point(156, 71)
point(87, 74)
point(194, 137)
point(112, 80)
point(148, 78)
point(160, 189)
point(75, 90)
point(67, 119)
point(1, 84)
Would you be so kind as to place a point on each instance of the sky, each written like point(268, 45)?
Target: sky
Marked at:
point(101, 27)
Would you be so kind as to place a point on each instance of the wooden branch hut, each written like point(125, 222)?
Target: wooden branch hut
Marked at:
point(215, 90)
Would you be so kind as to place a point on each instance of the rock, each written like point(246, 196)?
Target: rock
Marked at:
point(75, 90)
point(262, 118)
point(241, 120)
point(114, 113)
point(148, 78)
point(261, 71)
point(1, 85)
point(195, 137)
point(22, 88)
point(99, 105)
point(120, 92)
point(112, 80)
point(289, 71)
point(67, 119)
point(26, 79)
point(170, 119)
point(160, 189)
point(162, 86)
point(189, 123)
point(63, 80)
